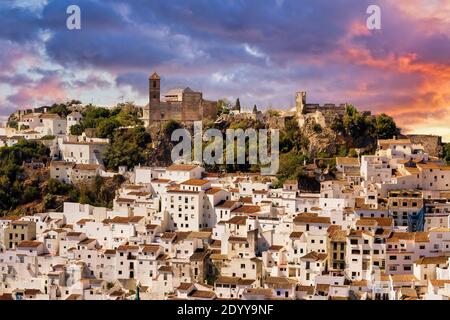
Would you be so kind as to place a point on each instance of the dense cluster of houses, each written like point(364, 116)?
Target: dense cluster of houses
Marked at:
point(54, 131)
point(378, 230)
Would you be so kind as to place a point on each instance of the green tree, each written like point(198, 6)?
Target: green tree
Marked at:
point(385, 127)
point(76, 130)
point(60, 109)
point(50, 202)
point(13, 124)
point(446, 153)
point(169, 127)
point(13, 190)
point(128, 148)
point(106, 127)
point(237, 105)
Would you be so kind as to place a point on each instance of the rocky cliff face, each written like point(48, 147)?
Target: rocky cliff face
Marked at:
point(322, 139)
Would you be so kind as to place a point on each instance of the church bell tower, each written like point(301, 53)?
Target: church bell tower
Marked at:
point(154, 89)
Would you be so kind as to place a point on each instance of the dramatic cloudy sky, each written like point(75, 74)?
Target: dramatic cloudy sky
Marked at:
point(262, 51)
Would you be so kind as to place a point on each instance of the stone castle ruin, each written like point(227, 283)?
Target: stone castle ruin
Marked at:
point(304, 108)
point(321, 114)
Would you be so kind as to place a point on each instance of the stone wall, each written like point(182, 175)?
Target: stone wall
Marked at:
point(192, 106)
point(432, 144)
point(210, 109)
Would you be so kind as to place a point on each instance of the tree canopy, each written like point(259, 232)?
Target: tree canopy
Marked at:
point(128, 147)
point(14, 189)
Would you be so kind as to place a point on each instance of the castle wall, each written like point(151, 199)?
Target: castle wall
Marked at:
point(432, 144)
point(192, 106)
point(209, 109)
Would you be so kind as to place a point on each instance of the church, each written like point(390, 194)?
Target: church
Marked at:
point(182, 104)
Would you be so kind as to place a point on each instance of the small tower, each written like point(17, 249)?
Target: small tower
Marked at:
point(154, 89)
point(300, 102)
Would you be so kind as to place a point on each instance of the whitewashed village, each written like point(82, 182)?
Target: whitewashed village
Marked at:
point(379, 230)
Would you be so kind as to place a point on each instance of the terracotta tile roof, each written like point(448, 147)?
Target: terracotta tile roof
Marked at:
point(168, 235)
point(360, 283)
point(226, 204)
point(150, 248)
point(133, 187)
point(29, 244)
point(126, 220)
point(241, 220)
point(6, 296)
point(182, 167)
point(313, 255)
point(347, 161)
point(408, 236)
point(139, 193)
point(259, 291)
point(83, 221)
point(195, 182)
point(74, 296)
point(125, 200)
point(393, 141)
point(439, 283)
point(275, 248)
point(246, 282)
point(198, 256)
point(202, 294)
point(295, 235)
point(216, 244)
point(126, 247)
point(218, 256)
point(247, 209)
point(307, 289)
point(432, 260)
point(160, 180)
point(86, 241)
point(213, 190)
point(338, 235)
point(403, 278)
point(182, 191)
point(199, 235)
point(32, 292)
point(382, 222)
point(167, 269)
point(237, 239)
point(227, 280)
point(280, 282)
point(185, 286)
point(9, 218)
point(311, 218)
point(260, 192)
point(246, 199)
